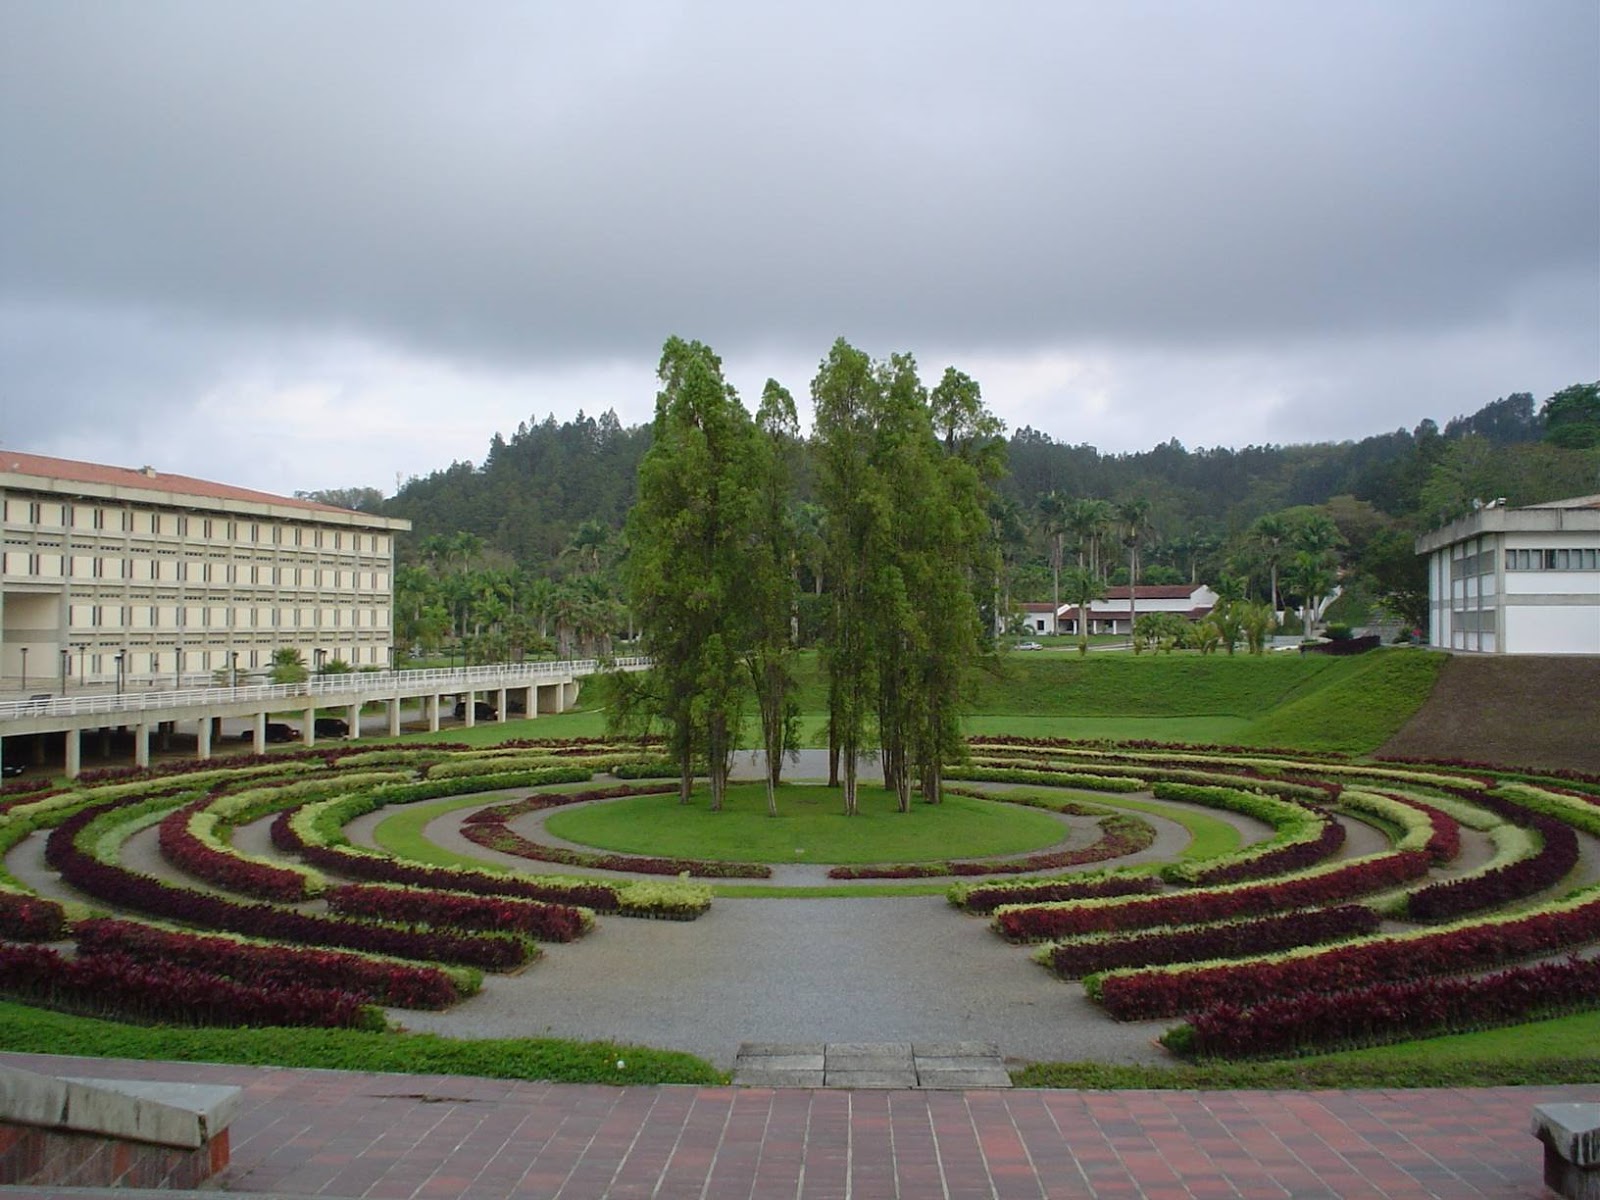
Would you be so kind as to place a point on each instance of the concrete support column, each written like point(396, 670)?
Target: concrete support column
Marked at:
point(549, 697)
point(394, 716)
point(500, 706)
point(258, 734)
point(308, 727)
point(202, 743)
point(141, 745)
point(352, 718)
point(569, 696)
point(433, 713)
point(471, 709)
point(73, 753)
point(166, 734)
point(530, 700)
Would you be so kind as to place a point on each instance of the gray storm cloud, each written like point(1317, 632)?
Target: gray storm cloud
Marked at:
point(526, 187)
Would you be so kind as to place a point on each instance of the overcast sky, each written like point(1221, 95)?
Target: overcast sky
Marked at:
point(324, 244)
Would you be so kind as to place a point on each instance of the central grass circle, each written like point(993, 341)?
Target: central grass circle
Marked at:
point(810, 827)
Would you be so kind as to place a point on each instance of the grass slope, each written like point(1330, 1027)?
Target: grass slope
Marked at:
point(1359, 708)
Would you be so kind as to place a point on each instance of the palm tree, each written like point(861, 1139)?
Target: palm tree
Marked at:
point(1083, 588)
point(589, 542)
point(1270, 533)
point(1054, 509)
point(1135, 517)
point(1313, 577)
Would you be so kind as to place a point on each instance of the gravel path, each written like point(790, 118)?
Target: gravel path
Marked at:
point(828, 970)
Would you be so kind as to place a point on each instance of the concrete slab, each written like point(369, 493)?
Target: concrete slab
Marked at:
point(1572, 1130)
point(871, 1079)
point(903, 1048)
point(955, 1050)
point(962, 1078)
point(186, 1115)
point(780, 1062)
point(766, 1048)
point(762, 1077)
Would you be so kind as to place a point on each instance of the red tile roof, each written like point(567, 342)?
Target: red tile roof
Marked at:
point(1155, 591)
point(145, 478)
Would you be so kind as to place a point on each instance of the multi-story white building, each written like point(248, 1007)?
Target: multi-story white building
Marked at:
point(134, 577)
point(1112, 615)
point(1517, 580)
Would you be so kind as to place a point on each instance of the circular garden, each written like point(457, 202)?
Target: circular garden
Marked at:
point(1309, 903)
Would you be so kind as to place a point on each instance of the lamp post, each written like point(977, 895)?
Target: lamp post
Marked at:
point(233, 659)
point(83, 661)
point(24, 668)
point(121, 658)
point(66, 667)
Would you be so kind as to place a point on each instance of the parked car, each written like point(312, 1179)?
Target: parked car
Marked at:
point(482, 710)
point(10, 770)
point(331, 727)
point(1029, 646)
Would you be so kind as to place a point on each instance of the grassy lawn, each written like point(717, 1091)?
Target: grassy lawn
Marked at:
point(811, 827)
point(32, 1030)
point(1559, 1050)
point(1209, 836)
point(1362, 705)
point(1156, 729)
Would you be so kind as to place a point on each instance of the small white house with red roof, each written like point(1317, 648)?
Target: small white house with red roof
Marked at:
point(1037, 617)
point(1113, 614)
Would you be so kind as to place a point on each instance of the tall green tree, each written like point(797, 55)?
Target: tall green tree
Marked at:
point(690, 532)
point(845, 394)
point(1082, 588)
point(1134, 515)
point(769, 646)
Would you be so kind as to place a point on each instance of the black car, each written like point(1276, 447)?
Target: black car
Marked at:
point(482, 710)
point(10, 770)
point(330, 727)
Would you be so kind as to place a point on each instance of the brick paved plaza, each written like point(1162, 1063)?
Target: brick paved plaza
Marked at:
point(391, 1137)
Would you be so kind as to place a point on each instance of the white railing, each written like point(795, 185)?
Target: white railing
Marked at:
point(323, 689)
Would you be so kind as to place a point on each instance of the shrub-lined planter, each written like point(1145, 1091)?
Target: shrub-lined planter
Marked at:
point(1388, 1012)
point(122, 888)
point(183, 843)
point(1230, 939)
point(986, 897)
point(1342, 881)
point(1422, 826)
point(266, 965)
point(31, 918)
point(1479, 946)
point(116, 986)
point(1497, 885)
point(457, 910)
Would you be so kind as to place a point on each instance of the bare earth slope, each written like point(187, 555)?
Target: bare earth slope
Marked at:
point(1521, 711)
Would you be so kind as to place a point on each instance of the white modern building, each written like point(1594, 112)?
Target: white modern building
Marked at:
point(1036, 617)
point(1114, 614)
point(1517, 580)
point(136, 578)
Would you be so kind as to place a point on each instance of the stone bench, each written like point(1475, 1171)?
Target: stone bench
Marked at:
point(1571, 1137)
point(72, 1132)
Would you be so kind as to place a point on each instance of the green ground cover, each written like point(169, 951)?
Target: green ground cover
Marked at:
point(1209, 836)
point(810, 827)
point(1206, 730)
point(31, 1030)
point(1357, 709)
point(1559, 1050)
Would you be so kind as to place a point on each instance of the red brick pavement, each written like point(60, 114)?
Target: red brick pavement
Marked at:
point(397, 1137)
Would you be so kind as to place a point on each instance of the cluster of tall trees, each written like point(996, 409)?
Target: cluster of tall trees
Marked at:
point(527, 554)
point(897, 525)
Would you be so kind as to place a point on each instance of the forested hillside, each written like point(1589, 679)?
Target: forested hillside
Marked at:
point(537, 524)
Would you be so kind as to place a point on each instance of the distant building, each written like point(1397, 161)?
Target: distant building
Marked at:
point(179, 578)
point(1517, 580)
point(1111, 615)
point(1039, 618)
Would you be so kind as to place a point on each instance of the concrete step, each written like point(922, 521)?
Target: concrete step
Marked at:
point(919, 1065)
